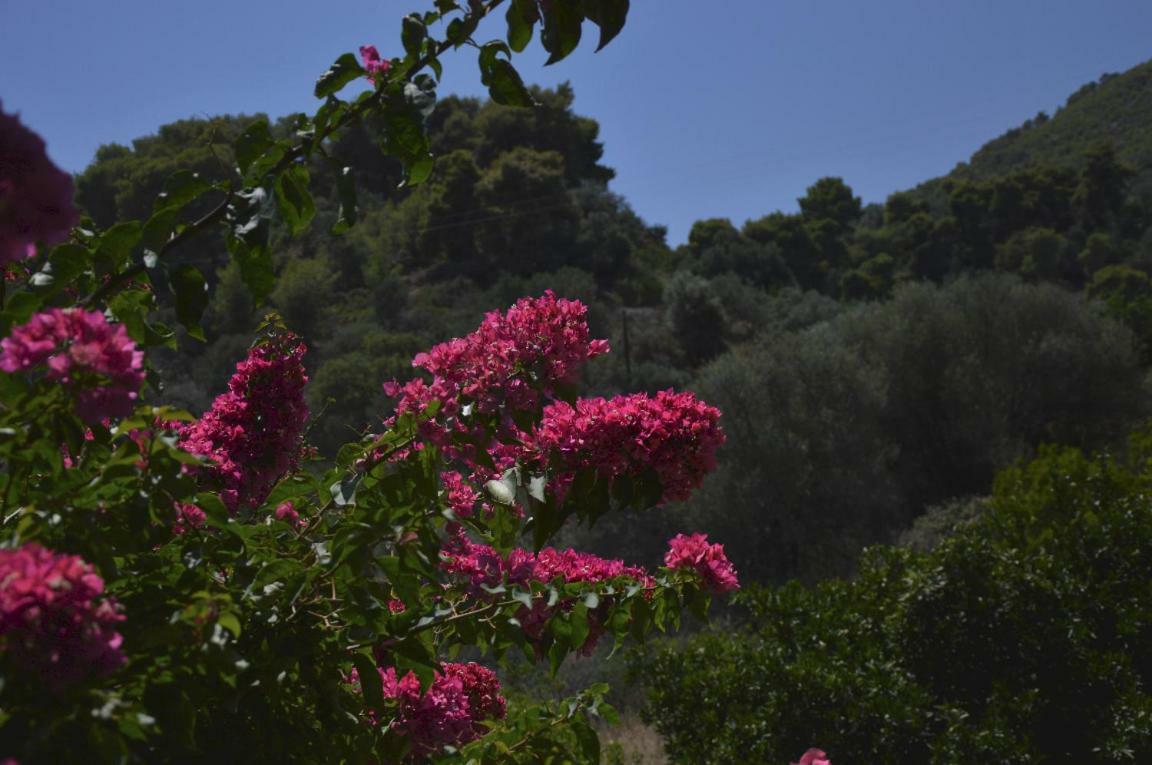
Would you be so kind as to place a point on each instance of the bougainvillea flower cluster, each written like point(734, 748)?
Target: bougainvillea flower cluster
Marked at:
point(35, 195)
point(450, 712)
point(508, 364)
point(673, 434)
point(460, 495)
point(375, 66)
point(80, 350)
point(482, 568)
point(693, 552)
point(253, 434)
point(814, 757)
point(53, 621)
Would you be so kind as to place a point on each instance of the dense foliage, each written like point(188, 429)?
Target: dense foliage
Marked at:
point(842, 433)
point(1025, 636)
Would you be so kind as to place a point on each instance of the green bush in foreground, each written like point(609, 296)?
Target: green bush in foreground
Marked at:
point(1024, 637)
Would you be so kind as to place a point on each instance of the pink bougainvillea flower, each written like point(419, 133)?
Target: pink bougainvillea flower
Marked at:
point(54, 623)
point(478, 566)
point(694, 553)
point(286, 511)
point(253, 434)
point(511, 364)
point(95, 360)
point(188, 517)
point(449, 712)
point(376, 67)
point(35, 195)
point(673, 434)
point(814, 757)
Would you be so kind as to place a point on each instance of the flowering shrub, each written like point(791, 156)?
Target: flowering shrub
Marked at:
point(54, 625)
point(35, 195)
point(80, 350)
point(256, 594)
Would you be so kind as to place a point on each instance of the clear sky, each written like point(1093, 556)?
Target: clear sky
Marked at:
point(727, 108)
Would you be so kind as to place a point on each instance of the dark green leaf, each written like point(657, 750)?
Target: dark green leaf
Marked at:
point(505, 86)
point(609, 15)
point(343, 71)
point(158, 230)
point(294, 200)
point(370, 685)
point(412, 34)
point(248, 240)
point(130, 307)
point(181, 188)
point(116, 243)
point(522, 16)
point(406, 140)
point(65, 263)
point(589, 741)
point(580, 629)
point(561, 33)
point(192, 297)
point(252, 143)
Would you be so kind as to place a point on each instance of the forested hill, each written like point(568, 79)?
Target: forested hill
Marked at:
point(1116, 109)
point(874, 360)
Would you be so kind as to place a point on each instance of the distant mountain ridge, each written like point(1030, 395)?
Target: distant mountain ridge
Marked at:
point(1117, 108)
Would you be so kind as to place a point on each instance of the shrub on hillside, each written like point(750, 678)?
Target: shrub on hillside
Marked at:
point(1024, 637)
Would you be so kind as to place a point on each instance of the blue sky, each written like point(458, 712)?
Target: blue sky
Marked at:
point(728, 108)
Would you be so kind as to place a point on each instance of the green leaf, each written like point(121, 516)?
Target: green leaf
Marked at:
point(370, 685)
point(561, 33)
point(130, 307)
point(252, 143)
point(522, 16)
point(406, 139)
point(294, 200)
point(182, 187)
point(505, 85)
point(412, 34)
point(191, 291)
point(346, 194)
point(580, 629)
point(609, 15)
point(158, 230)
point(21, 306)
point(230, 622)
point(117, 242)
point(460, 30)
point(589, 741)
point(343, 71)
point(248, 240)
point(65, 263)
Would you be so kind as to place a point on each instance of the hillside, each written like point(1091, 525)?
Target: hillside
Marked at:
point(1117, 108)
point(833, 330)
